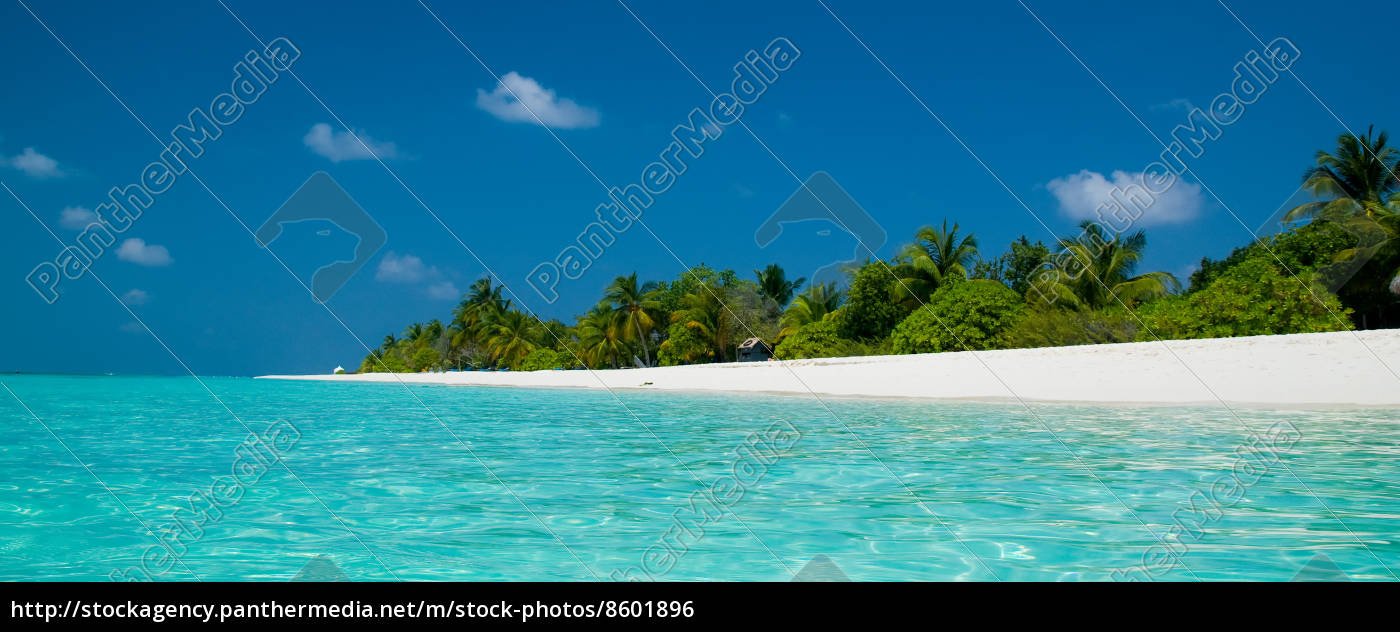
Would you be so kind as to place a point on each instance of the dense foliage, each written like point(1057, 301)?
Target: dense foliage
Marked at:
point(869, 312)
point(1333, 267)
point(816, 340)
point(1250, 299)
point(1050, 327)
point(961, 316)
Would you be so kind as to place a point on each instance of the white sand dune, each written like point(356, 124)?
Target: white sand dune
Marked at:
point(1328, 369)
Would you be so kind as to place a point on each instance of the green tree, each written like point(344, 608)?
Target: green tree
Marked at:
point(510, 336)
point(1313, 246)
point(961, 316)
point(424, 359)
point(635, 308)
point(1092, 271)
point(811, 306)
point(1356, 187)
point(1358, 178)
point(601, 338)
point(543, 359)
point(703, 314)
point(868, 313)
point(936, 256)
point(1252, 298)
point(774, 285)
point(1016, 267)
point(684, 345)
point(482, 302)
point(1047, 326)
point(816, 339)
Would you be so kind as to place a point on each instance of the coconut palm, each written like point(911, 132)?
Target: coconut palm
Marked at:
point(1094, 271)
point(936, 255)
point(1358, 188)
point(510, 336)
point(773, 284)
point(810, 307)
point(634, 307)
point(703, 313)
point(1358, 178)
point(479, 304)
point(601, 339)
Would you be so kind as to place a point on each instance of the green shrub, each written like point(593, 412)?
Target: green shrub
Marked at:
point(424, 359)
point(1056, 327)
point(1252, 298)
point(543, 359)
point(868, 313)
point(390, 363)
point(960, 316)
point(684, 346)
point(817, 340)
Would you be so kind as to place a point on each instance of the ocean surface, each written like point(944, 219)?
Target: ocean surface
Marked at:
point(385, 482)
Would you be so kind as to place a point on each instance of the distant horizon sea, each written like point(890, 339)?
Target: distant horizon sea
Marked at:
point(150, 477)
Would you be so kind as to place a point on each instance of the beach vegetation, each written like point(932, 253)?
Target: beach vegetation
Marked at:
point(968, 315)
point(1253, 298)
point(1332, 267)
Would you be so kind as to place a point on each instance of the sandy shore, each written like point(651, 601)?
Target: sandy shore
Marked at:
point(1344, 368)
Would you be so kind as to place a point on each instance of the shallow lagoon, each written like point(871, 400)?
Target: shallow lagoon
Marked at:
point(582, 485)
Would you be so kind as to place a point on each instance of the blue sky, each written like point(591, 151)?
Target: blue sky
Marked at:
point(515, 196)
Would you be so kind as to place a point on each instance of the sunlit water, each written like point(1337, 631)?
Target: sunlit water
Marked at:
point(887, 490)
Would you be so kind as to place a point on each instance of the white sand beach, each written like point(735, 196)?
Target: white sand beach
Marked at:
point(1327, 369)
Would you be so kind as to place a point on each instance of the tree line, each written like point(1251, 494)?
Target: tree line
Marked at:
point(1333, 267)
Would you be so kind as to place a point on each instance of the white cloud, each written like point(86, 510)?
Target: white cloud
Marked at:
point(410, 270)
point(35, 164)
point(515, 97)
point(341, 146)
point(394, 268)
point(1081, 194)
point(138, 252)
point(443, 290)
point(76, 217)
point(135, 297)
point(132, 327)
point(1175, 104)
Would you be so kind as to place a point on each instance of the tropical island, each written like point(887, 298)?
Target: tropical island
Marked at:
point(1332, 269)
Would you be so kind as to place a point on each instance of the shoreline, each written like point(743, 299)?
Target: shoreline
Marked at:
point(1347, 369)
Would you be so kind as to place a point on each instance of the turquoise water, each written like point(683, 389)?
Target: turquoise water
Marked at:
point(400, 497)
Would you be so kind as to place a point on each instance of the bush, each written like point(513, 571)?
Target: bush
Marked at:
point(1252, 298)
point(424, 359)
point(961, 316)
point(543, 359)
point(1056, 327)
point(684, 346)
point(868, 313)
point(1311, 246)
point(390, 363)
point(816, 340)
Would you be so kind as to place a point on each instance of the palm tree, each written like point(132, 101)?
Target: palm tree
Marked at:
point(1358, 189)
point(702, 312)
point(414, 333)
point(634, 307)
point(936, 255)
point(601, 338)
point(1105, 271)
point(510, 336)
point(481, 302)
point(810, 307)
point(1358, 179)
point(773, 284)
